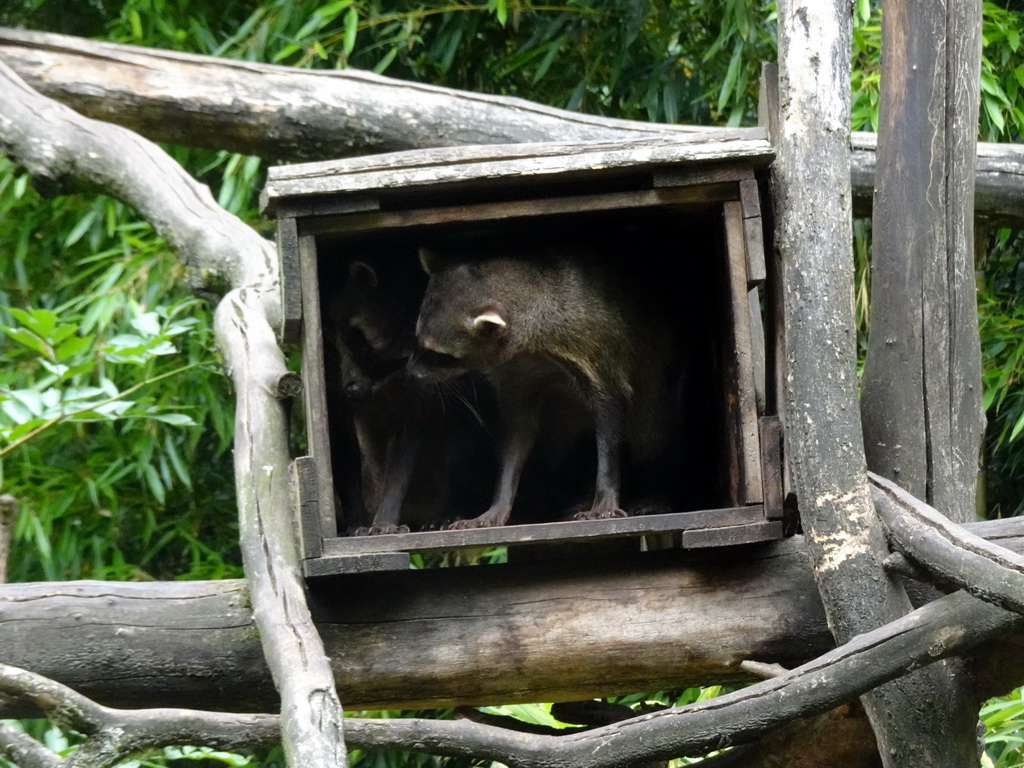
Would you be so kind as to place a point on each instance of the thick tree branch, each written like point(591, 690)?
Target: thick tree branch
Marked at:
point(61, 148)
point(947, 551)
point(287, 114)
point(824, 444)
point(948, 626)
point(911, 641)
point(280, 112)
point(55, 143)
point(312, 729)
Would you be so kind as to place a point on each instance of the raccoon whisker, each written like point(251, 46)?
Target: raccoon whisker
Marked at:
point(465, 401)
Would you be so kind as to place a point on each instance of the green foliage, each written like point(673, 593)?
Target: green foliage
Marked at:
point(102, 342)
point(1004, 737)
point(1002, 75)
point(119, 467)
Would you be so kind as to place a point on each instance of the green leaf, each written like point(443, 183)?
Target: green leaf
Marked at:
point(1017, 427)
point(148, 324)
point(351, 29)
point(80, 228)
point(994, 114)
point(28, 339)
point(72, 347)
point(40, 321)
point(177, 419)
point(152, 478)
point(23, 429)
point(135, 21)
point(30, 400)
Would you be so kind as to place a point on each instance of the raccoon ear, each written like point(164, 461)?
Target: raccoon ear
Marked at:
point(490, 321)
point(361, 272)
point(429, 260)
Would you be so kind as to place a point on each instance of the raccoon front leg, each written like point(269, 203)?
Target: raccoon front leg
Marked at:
point(610, 416)
point(520, 422)
point(399, 464)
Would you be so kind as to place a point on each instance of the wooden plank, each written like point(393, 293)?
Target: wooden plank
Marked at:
point(756, 270)
point(771, 466)
point(733, 535)
point(652, 198)
point(676, 176)
point(544, 160)
point(304, 496)
point(374, 562)
point(757, 348)
point(314, 388)
point(750, 196)
point(291, 288)
point(574, 530)
point(320, 205)
point(743, 412)
point(609, 550)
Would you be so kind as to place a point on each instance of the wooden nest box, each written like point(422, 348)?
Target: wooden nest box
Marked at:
point(683, 216)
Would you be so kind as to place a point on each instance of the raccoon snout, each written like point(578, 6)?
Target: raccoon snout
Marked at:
point(426, 364)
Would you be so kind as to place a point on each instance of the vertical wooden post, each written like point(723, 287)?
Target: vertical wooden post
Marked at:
point(921, 394)
point(811, 178)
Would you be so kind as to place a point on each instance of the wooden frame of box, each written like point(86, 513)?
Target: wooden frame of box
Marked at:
point(714, 171)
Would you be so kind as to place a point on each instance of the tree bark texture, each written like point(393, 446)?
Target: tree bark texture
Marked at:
point(439, 638)
point(811, 180)
point(951, 625)
point(918, 532)
point(921, 391)
point(282, 113)
point(8, 516)
point(59, 146)
point(311, 725)
point(287, 114)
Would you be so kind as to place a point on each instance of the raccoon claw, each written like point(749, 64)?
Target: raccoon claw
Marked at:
point(600, 514)
point(484, 521)
point(378, 530)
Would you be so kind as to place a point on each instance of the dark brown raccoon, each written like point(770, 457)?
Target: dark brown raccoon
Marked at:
point(554, 322)
point(407, 433)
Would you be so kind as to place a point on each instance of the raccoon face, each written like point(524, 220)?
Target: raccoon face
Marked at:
point(459, 327)
point(373, 331)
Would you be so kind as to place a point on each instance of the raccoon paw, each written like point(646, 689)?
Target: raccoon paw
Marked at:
point(484, 521)
point(599, 514)
point(377, 530)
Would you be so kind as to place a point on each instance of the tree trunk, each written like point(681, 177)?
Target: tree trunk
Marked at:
point(921, 393)
point(823, 436)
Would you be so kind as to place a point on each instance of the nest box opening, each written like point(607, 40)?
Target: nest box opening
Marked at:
point(628, 302)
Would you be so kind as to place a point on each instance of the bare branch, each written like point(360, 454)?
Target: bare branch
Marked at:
point(931, 542)
point(24, 751)
point(288, 114)
point(947, 627)
point(312, 731)
point(114, 735)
